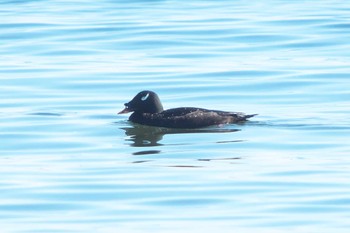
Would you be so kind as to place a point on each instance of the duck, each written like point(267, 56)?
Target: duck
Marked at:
point(147, 109)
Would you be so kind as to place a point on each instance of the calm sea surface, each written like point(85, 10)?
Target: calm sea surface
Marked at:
point(69, 163)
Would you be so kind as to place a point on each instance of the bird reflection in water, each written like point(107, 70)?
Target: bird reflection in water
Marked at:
point(149, 136)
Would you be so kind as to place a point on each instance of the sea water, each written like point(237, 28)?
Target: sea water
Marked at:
point(69, 163)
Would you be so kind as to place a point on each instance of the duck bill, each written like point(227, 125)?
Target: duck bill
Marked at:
point(125, 110)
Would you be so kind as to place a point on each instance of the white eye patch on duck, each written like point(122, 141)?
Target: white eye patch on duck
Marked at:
point(143, 98)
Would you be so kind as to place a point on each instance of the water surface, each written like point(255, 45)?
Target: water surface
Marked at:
point(71, 164)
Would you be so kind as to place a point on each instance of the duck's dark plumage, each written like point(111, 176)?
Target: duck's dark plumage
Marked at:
point(148, 110)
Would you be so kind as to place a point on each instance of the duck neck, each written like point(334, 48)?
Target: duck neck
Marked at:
point(156, 106)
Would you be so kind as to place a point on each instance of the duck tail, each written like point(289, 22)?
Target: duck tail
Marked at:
point(241, 117)
point(249, 116)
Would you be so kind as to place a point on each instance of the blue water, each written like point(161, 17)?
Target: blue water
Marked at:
point(69, 163)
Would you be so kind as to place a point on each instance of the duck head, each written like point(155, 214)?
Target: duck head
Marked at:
point(144, 102)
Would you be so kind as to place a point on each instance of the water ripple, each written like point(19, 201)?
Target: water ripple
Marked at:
point(71, 164)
